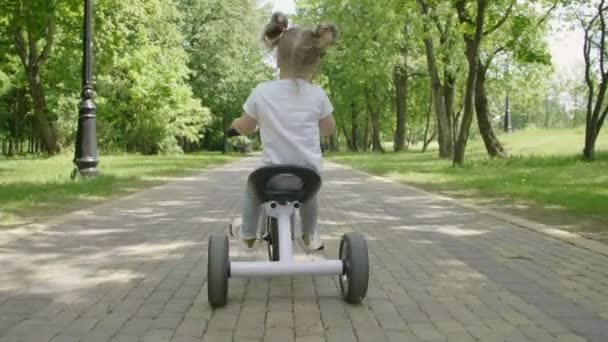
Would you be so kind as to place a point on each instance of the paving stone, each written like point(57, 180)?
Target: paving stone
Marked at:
point(135, 269)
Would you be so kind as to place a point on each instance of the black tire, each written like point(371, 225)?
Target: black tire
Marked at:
point(354, 280)
point(218, 268)
point(273, 225)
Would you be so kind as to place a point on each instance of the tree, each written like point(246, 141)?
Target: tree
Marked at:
point(145, 102)
point(359, 71)
point(442, 89)
point(409, 66)
point(592, 18)
point(472, 35)
point(518, 30)
point(222, 39)
point(34, 30)
point(493, 146)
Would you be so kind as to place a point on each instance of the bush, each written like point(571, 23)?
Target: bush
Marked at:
point(242, 144)
point(169, 146)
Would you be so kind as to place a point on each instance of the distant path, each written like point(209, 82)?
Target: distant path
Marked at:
point(135, 269)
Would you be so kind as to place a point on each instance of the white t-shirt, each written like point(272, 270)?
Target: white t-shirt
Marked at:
point(288, 113)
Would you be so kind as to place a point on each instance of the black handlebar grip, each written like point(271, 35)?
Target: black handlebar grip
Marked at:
point(231, 132)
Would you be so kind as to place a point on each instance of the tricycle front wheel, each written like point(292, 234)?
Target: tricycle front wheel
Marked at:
point(218, 269)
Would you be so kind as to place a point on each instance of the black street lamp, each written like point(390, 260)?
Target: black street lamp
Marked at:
point(86, 157)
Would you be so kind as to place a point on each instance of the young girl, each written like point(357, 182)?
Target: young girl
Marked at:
point(292, 114)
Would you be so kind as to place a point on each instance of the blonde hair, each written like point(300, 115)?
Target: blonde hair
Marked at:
point(298, 49)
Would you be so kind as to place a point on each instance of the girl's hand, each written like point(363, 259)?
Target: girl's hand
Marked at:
point(327, 126)
point(245, 125)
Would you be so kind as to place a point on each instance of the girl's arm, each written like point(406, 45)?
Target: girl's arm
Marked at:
point(327, 126)
point(245, 124)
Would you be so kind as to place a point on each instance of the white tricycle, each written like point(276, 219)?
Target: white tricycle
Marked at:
point(280, 203)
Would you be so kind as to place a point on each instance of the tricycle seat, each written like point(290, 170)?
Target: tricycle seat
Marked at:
point(284, 183)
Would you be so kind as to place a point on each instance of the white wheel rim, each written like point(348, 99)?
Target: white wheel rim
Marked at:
point(344, 277)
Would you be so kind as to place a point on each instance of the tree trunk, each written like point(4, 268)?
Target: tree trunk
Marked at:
point(349, 144)
point(452, 120)
point(32, 63)
point(374, 114)
point(376, 139)
point(493, 146)
point(546, 122)
point(366, 134)
point(467, 116)
point(507, 118)
point(18, 131)
point(472, 43)
point(426, 141)
point(354, 128)
point(445, 135)
point(401, 84)
point(333, 143)
point(590, 139)
point(596, 112)
point(594, 123)
point(224, 137)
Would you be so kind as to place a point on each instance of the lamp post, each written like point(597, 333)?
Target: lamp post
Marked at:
point(86, 157)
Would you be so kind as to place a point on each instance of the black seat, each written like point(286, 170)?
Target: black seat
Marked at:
point(284, 183)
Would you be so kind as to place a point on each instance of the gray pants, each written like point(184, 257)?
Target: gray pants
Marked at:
point(252, 209)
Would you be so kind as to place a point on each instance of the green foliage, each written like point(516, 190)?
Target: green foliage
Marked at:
point(159, 81)
point(144, 98)
point(222, 39)
point(173, 74)
point(241, 143)
point(358, 72)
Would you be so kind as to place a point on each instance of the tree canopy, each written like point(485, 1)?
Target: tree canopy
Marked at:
point(171, 75)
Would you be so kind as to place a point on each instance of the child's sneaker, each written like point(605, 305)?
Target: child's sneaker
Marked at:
point(312, 242)
point(235, 230)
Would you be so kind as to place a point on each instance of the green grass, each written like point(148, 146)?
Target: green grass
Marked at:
point(34, 188)
point(544, 179)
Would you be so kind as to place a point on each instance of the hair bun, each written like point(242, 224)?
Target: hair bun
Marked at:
point(273, 31)
point(327, 35)
point(279, 19)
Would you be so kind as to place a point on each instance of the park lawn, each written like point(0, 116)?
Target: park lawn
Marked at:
point(544, 179)
point(36, 188)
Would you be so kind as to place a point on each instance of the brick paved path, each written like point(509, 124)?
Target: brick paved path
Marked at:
point(134, 269)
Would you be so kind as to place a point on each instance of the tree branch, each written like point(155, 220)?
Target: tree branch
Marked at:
point(33, 53)
point(546, 15)
point(587, 57)
point(492, 55)
point(462, 12)
point(437, 22)
point(502, 20)
point(602, 41)
point(50, 37)
point(601, 121)
point(424, 6)
point(481, 7)
point(426, 10)
point(417, 74)
point(20, 46)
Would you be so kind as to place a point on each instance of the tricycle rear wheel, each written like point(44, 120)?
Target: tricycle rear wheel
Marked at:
point(355, 277)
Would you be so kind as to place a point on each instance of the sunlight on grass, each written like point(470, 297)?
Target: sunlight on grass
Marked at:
point(545, 170)
point(34, 188)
